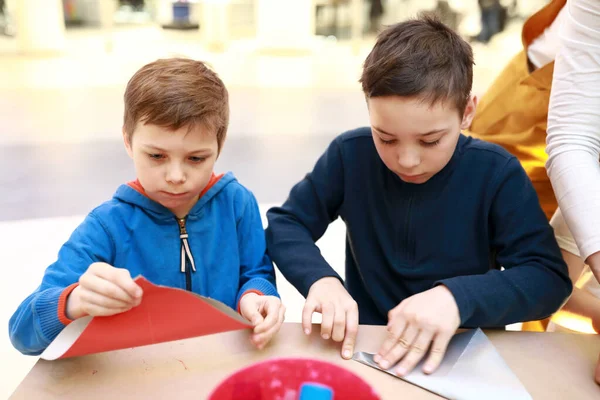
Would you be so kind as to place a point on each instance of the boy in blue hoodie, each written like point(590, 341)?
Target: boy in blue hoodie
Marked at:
point(443, 231)
point(178, 224)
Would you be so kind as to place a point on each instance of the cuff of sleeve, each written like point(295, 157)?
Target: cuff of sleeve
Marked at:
point(465, 306)
point(62, 305)
point(587, 249)
point(257, 285)
point(50, 310)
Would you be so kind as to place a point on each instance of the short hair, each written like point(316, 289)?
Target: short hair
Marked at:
point(420, 57)
point(177, 92)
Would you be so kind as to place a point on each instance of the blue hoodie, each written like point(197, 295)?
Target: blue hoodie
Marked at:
point(218, 251)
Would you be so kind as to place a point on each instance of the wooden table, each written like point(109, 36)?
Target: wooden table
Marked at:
point(550, 365)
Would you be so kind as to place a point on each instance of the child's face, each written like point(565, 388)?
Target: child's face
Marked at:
point(414, 139)
point(173, 167)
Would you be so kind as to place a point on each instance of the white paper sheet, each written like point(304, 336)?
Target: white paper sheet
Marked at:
point(471, 369)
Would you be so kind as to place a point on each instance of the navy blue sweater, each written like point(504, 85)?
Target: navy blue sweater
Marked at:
point(475, 227)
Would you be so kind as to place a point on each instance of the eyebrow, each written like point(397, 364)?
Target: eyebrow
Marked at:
point(154, 148)
point(421, 134)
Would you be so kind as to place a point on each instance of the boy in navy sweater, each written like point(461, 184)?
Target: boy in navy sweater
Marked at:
point(443, 231)
point(179, 224)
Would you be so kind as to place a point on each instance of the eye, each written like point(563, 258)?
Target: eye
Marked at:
point(431, 144)
point(387, 142)
point(155, 156)
point(195, 159)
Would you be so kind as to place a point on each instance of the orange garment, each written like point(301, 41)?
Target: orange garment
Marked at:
point(213, 179)
point(513, 112)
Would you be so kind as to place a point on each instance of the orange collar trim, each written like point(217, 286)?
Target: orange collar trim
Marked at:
point(136, 185)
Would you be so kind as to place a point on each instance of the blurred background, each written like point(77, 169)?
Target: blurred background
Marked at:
point(291, 67)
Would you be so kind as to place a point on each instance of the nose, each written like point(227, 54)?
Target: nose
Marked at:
point(175, 174)
point(408, 158)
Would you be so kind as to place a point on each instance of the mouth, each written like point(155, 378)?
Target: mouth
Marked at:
point(174, 195)
point(412, 178)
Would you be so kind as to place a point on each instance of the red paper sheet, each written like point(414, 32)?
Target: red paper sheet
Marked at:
point(165, 314)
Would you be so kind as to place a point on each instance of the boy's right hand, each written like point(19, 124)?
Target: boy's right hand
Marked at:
point(339, 310)
point(103, 290)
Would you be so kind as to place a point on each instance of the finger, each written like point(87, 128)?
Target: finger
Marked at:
point(271, 313)
point(328, 313)
point(100, 300)
point(122, 278)
point(282, 314)
point(262, 339)
point(416, 352)
point(249, 310)
point(399, 350)
point(351, 332)
point(125, 282)
point(436, 354)
point(307, 312)
point(339, 324)
point(103, 287)
point(97, 311)
point(395, 329)
point(282, 310)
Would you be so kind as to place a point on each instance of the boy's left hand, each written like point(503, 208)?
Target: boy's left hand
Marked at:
point(266, 313)
point(426, 319)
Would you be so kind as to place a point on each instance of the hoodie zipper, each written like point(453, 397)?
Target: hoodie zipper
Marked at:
point(186, 261)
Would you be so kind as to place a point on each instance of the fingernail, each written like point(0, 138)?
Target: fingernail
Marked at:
point(377, 358)
point(138, 293)
point(307, 331)
point(428, 369)
point(325, 336)
point(385, 364)
point(401, 371)
point(347, 354)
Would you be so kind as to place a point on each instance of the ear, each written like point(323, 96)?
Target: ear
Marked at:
point(469, 113)
point(127, 143)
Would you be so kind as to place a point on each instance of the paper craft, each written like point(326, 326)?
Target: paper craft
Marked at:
point(471, 369)
point(165, 314)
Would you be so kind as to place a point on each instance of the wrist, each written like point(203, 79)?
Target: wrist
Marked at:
point(451, 298)
point(249, 296)
point(73, 308)
point(246, 297)
point(328, 280)
point(447, 291)
point(594, 263)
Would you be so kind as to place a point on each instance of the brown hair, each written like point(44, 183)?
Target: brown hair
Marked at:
point(420, 57)
point(177, 92)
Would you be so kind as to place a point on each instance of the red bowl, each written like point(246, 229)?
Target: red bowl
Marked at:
point(281, 378)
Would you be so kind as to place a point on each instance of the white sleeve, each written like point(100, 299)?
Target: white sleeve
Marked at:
point(573, 142)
